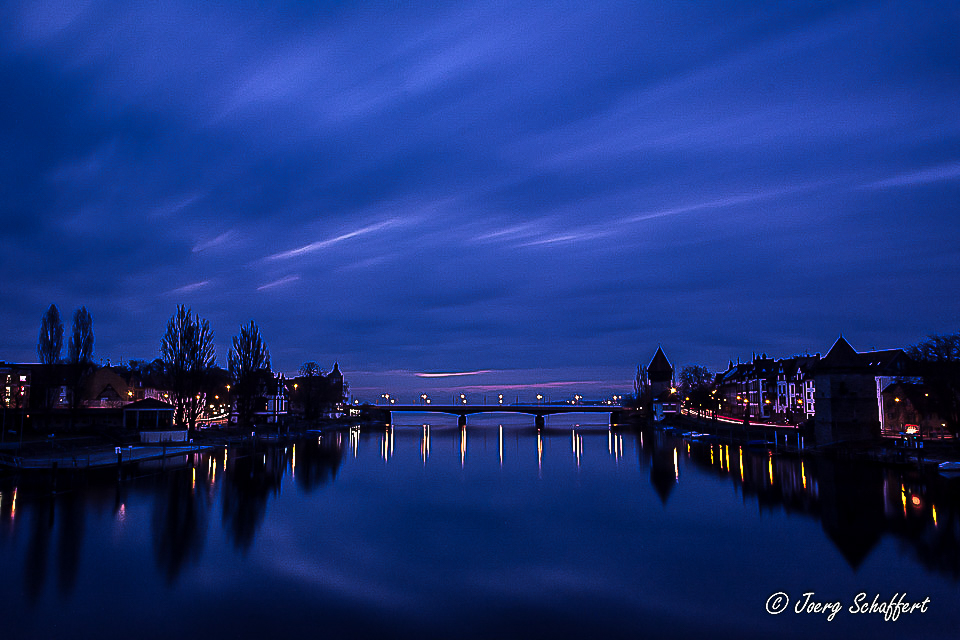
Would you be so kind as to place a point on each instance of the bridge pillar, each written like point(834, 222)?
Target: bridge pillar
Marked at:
point(462, 420)
point(614, 418)
point(540, 422)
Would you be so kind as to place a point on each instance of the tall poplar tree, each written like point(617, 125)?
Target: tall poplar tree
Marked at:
point(50, 342)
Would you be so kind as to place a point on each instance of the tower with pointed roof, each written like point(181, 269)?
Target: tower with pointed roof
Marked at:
point(659, 373)
point(846, 397)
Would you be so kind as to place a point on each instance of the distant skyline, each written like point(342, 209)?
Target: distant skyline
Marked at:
point(529, 194)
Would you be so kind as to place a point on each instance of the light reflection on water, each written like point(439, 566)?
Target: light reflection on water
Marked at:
point(475, 531)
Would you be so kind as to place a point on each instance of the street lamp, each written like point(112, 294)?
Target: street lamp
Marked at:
point(539, 398)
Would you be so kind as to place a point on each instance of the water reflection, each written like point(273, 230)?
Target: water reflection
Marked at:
point(51, 530)
point(856, 503)
point(179, 520)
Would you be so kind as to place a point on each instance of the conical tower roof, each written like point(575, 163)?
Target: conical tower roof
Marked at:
point(659, 364)
point(840, 356)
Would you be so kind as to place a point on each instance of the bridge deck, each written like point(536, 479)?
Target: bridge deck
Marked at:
point(533, 410)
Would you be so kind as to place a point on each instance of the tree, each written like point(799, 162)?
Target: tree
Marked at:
point(310, 369)
point(937, 348)
point(695, 383)
point(938, 359)
point(49, 348)
point(249, 362)
point(80, 350)
point(79, 353)
point(188, 354)
point(310, 389)
point(50, 342)
point(693, 377)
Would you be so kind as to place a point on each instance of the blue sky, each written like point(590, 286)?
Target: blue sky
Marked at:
point(543, 193)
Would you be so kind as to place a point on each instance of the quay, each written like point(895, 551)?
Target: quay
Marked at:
point(97, 457)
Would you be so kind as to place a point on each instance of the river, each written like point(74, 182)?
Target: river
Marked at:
point(496, 530)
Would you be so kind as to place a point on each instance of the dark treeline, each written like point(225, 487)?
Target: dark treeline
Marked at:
point(184, 374)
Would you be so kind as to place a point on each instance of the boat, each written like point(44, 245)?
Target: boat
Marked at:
point(949, 469)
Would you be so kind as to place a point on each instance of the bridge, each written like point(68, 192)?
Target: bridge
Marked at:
point(539, 411)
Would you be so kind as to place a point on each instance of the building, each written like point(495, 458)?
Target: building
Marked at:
point(849, 407)
point(911, 408)
point(660, 384)
point(659, 374)
point(794, 401)
point(317, 396)
point(16, 381)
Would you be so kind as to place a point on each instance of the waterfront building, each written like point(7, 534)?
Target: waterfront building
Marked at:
point(659, 374)
point(794, 400)
point(316, 396)
point(16, 385)
point(911, 408)
point(661, 386)
point(849, 385)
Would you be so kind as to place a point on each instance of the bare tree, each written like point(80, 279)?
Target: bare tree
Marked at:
point(937, 348)
point(50, 342)
point(79, 354)
point(49, 348)
point(188, 352)
point(693, 377)
point(310, 369)
point(938, 359)
point(80, 350)
point(249, 364)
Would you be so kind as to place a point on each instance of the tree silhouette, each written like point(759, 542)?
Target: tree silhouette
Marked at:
point(49, 348)
point(249, 362)
point(50, 342)
point(938, 360)
point(80, 350)
point(80, 353)
point(310, 369)
point(187, 350)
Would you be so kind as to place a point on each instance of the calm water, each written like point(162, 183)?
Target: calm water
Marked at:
point(495, 532)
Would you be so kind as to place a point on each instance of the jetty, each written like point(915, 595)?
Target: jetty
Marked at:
point(97, 457)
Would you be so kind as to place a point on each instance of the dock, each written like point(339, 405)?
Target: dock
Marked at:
point(99, 457)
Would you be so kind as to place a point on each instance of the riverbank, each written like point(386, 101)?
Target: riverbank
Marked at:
point(790, 441)
point(99, 449)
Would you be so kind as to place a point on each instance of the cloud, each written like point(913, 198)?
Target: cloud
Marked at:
point(939, 173)
point(189, 288)
point(223, 239)
point(277, 283)
point(453, 374)
point(557, 384)
point(323, 244)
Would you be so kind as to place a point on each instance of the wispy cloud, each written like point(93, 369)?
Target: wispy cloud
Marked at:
point(453, 374)
point(176, 205)
point(574, 236)
point(940, 173)
point(188, 288)
point(222, 239)
point(323, 244)
point(726, 201)
point(277, 283)
point(513, 232)
point(560, 384)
